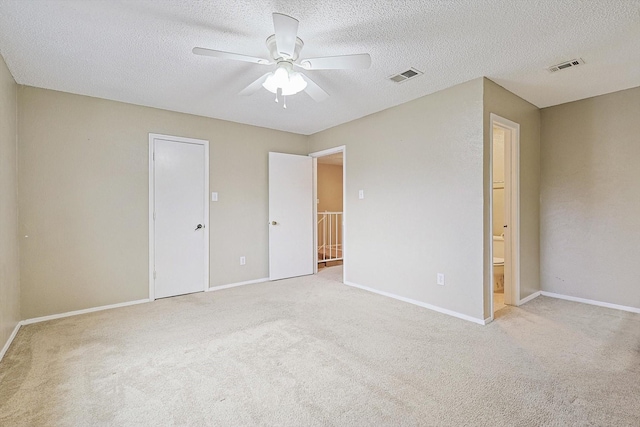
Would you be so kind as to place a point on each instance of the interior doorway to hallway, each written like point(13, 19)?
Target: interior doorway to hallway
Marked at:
point(329, 208)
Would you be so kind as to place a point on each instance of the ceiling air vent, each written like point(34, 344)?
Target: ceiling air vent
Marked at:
point(565, 65)
point(406, 75)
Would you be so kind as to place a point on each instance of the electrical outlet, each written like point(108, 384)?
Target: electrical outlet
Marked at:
point(440, 279)
point(243, 260)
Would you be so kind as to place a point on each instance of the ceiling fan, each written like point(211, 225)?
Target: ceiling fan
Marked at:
point(284, 49)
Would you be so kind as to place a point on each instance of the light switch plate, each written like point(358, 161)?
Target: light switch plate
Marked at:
point(214, 196)
point(360, 194)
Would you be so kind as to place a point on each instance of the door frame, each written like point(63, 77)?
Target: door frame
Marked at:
point(182, 140)
point(512, 204)
point(340, 149)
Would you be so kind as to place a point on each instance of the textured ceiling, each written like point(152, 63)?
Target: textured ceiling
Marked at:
point(140, 51)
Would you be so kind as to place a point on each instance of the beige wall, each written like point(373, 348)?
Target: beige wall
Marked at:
point(500, 101)
point(330, 191)
point(9, 271)
point(420, 166)
point(329, 188)
point(83, 186)
point(83, 197)
point(590, 220)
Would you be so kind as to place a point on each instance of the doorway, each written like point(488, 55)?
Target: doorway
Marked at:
point(505, 214)
point(330, 212)
point(178, 216)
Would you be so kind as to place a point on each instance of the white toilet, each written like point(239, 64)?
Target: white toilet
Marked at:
point(498, 263)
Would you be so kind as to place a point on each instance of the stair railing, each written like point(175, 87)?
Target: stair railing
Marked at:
point(329, 236)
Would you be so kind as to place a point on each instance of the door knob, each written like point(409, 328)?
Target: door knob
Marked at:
point(274, 223)
point(198, 227)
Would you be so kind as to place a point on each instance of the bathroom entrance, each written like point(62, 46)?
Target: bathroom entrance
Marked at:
point(504, 212)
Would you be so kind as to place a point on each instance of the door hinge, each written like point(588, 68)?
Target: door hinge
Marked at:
point(154, 216)
point(154, 274)
point(153, 155)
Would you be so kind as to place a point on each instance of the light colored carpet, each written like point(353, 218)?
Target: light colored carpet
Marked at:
point(311, 351)
point(498, 301)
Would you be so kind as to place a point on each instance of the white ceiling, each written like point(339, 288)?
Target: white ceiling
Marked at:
point(139, 51)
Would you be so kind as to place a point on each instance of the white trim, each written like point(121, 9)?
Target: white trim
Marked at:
point(591, 302)
point(205, 143)
point(340, 149)
point(84, 311)
point(234, 285)
point(314, 166)
point(329, 151)
point(152, 242)
point(513, 185)
point(10, 340)
point(529, 298)
point(420, 304)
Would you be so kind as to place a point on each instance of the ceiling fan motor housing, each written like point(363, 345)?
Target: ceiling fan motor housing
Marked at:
point(273, 49)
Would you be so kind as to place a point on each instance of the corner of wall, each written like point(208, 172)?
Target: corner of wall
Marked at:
point(10, 312)
point(500, 101)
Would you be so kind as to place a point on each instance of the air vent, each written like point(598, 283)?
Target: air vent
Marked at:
point(565, 65)
point(406, 75)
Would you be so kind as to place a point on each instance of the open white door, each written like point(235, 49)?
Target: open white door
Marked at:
point(290, 216)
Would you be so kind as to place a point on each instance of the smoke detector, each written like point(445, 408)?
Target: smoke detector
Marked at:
point(406, 75)
point(565, 65)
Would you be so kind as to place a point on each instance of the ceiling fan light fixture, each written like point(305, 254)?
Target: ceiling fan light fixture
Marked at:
point(296, 84)
point(288, 81)
point(281, 77)
point(277, 79)
point(270, 83)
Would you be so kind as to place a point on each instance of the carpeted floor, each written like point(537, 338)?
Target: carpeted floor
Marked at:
point(311, 351)
point(498, 301)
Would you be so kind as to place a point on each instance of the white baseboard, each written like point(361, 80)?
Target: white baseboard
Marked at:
point(233, 285)
point(10, 340)
point(529, 298)
point(591, 302)
point(420, 304)
point(86, 310)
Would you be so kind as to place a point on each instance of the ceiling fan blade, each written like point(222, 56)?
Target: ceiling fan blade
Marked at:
point(314, 91)
point(286, 29)
point(254, 87)
point(344, 62)
point(229, 55)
